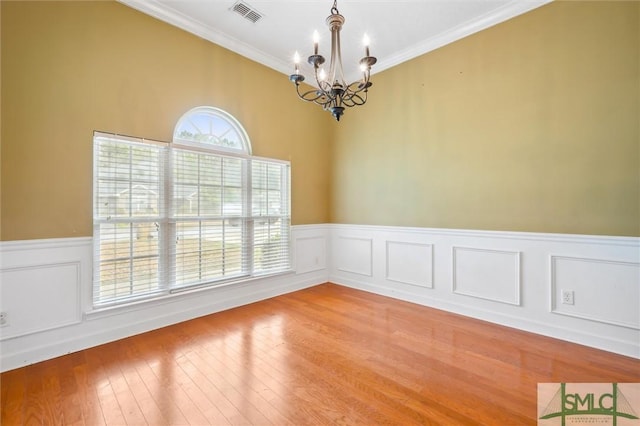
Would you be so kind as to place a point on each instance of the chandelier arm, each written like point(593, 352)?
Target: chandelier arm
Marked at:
point(314, 96)
point(325, 103)
point(360, 85)
point(309, 96)
point(352, 99)
point(357, 87)
point(356, 99)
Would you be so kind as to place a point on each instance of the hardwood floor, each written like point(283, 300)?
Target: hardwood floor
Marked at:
point(325, 355)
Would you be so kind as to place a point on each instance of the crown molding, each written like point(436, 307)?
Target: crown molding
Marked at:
point(160, 11)
point(497, 16)
point(166, 14)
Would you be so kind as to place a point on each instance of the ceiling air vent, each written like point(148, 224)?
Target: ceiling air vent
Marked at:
point(246, 11)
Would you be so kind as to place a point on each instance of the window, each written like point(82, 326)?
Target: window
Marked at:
point(200, 211)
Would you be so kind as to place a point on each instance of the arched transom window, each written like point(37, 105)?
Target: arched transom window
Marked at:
point(213, 128)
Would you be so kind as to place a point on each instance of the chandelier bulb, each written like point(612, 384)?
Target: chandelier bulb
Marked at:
point(366, 41)
point(316, 40)
point(296, 62)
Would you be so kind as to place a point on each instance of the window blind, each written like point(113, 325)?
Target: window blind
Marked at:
point(270, 215)
point(169, 218)
point(209, 193)
point(128, 213)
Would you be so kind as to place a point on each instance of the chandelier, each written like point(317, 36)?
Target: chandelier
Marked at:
point(332, 92)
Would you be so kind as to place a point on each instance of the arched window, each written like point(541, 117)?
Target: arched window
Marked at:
point(209, 127)
point(200, 211)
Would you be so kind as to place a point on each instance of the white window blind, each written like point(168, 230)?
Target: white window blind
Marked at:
point(128, 215)
point(209, 193)
point(169, 218)
point(270, 215)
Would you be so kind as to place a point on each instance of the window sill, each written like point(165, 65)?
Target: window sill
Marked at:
point(173, 295)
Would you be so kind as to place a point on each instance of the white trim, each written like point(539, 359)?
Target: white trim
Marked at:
point(428, 284)
point(316, 265)
point(132, 139)
point(99, 327)
point(368, 271)
point(42, 346)
point(518, 235)
point(504, 13)
point(177, 19)
point(48, 325)
point(554, 306)
point(213, 112)
point(532, 315)
point(516, 277)
point(532, 279)
point(583, 336)
point(43, 244)
point(283, 65)
point(172, 295)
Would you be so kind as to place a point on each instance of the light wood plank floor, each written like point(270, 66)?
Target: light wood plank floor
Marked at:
point(325, 355)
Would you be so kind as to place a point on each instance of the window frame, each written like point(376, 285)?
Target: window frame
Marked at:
point(213, 113)
point(168, 221)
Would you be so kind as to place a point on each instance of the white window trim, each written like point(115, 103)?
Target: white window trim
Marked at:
point(216, 112)
point(168, 287)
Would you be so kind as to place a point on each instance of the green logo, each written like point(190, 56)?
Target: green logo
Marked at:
point(589, 401)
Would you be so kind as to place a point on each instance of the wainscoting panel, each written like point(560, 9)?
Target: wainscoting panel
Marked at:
point(502, 277)
point(311, 254)
point(515, 279)
point(603, 290)
point(28, 294)
point(354, 255)
point(410, 263)
point(46, 290)
point(487, 274)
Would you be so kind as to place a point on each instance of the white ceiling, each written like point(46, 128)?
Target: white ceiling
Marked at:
point(399, 30)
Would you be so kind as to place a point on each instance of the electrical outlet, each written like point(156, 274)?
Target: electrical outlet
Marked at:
point(4, 319)
point(567, 297)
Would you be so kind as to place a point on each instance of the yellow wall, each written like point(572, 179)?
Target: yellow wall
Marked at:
point(531, 125)
point(69, 68)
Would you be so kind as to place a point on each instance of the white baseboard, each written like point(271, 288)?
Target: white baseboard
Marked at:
point(509, 278)
point(63, 322)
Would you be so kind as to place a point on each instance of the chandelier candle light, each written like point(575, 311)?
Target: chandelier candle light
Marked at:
point(332, 92)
